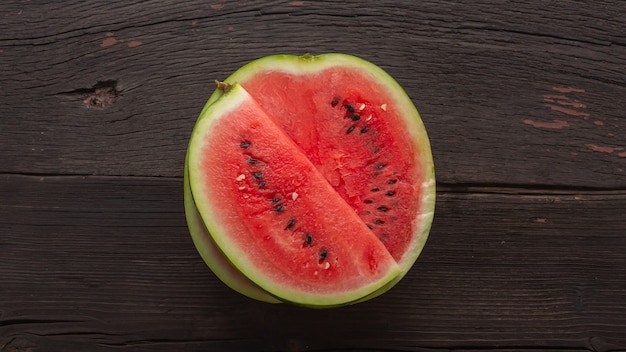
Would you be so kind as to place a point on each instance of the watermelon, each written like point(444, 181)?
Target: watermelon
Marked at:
point(310, 180)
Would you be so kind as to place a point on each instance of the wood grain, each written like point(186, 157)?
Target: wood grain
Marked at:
point(523, 102)
point(511, 94)
point(93, 263)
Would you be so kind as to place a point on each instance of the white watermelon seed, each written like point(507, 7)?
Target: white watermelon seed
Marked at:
point(384, 107)
point(240, 177)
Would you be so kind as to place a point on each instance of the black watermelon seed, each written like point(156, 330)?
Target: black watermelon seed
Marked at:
point(383, 208)
point(245, 144)
point(355, 117)
point(378, 222)
point(253, 161)
point(275, 200)
point(365, 129)
point(335, 101)
point(262, 184)
point(323, 254)
point(350, 129)
point(391, 182)
point(376, 150)
point(370, 227)
point(279, 208)
point(375, 189)
point(368, 201)
point(380, 166)
point(308, 239)
point(349, 107)
point(258, 175)
point(291, 223)
point(390, 193)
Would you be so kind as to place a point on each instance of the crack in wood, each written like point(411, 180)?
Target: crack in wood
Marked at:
point(23, 321)
point(442, 188)
point(526, 189)
point(102, 95)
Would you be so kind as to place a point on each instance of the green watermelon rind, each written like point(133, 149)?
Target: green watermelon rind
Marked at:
point(295, 63)
point(232, 252)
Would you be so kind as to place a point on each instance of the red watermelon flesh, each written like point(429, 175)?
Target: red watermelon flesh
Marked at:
point(289, 230)
point(379, 162)
point(349, 135)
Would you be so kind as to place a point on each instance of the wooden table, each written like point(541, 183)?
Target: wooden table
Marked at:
point(524, 103)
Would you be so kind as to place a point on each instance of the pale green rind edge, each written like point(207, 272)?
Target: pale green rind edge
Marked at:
point(236, 258)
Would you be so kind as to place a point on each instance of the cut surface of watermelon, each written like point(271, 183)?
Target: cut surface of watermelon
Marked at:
point(347, 123)
point(274, 235)
point(382, 159)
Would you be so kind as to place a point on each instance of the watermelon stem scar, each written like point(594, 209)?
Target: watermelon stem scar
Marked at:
point(287, 203)
point(223, 86)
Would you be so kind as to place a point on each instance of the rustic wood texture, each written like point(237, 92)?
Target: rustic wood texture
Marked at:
point(510, 94)
point(96, 263)
point(524, 105)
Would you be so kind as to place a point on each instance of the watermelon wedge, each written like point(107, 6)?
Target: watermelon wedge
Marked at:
point(309, 181)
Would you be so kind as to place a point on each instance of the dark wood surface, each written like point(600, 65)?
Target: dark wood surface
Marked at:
point(524, 105)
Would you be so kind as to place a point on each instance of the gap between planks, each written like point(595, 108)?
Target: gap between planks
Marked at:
point(442, 188)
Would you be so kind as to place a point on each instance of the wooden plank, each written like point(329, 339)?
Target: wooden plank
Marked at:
point(97, 263)
point(512, 93)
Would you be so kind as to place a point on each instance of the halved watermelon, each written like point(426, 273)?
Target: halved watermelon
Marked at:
point(314, 178)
